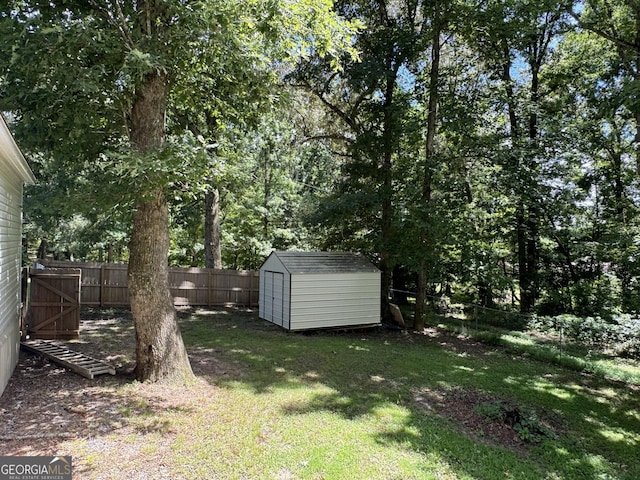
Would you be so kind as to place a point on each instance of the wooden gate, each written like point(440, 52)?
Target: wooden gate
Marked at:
point(54, 304)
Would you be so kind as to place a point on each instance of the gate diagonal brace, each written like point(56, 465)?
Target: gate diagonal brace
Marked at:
point(79, 363)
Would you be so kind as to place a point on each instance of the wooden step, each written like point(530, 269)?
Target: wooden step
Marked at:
point(80, 363)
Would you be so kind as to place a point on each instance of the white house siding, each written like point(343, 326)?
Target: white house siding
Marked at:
point(10, 267)
point(334, 300)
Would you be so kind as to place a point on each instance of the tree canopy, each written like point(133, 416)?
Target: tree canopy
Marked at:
point(482, 149)
point(101, 89)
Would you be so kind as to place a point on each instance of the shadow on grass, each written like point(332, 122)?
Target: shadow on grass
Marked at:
point(48, 410)
point(365, 371)
point(44, 405)
point(356, 376)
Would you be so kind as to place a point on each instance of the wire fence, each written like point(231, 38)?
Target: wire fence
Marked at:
point(469, 314)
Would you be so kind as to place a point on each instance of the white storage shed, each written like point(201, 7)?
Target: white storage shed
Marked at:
point(14, 173)
point(311, 290)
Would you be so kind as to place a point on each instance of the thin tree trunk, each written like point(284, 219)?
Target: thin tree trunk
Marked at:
point(212, 253)
point(524, 276)
point(419, 309)
point(432, 118)
point(532, 255)
point(636, 138)
point(531, 224)
point(386, 171)
point(43, 249)
point(618, 186)
point(386, 267)
point(525, 220)
point(160, 352)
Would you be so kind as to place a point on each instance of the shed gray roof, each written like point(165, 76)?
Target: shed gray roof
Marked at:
point(324, 262)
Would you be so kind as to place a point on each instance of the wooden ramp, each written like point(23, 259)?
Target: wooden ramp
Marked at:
point(78, 362)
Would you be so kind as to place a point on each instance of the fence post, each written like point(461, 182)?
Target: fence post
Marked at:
point(102, 285)
point(209, 286)
point(250, 274)
point(24, 294)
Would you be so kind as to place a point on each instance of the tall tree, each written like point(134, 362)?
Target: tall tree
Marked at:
point(618, 21)
point(108, 67)
point(596, 213)
point(438, 18)
point(368, 100)
point(508, 33)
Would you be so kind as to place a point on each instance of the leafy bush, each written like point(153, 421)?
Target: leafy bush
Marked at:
point(523, 420)
point(627, 341)
point(620, 334)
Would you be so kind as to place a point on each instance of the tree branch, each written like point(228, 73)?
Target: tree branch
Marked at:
point(335, 109)
point(604, 34)
point(119, 23)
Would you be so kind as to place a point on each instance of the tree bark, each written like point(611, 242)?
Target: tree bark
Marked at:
point(212, 252)
point(432, 118)
point(636, 142)
point(386, 172)
point(43, 248)
point(526, 219)
point(160, 352)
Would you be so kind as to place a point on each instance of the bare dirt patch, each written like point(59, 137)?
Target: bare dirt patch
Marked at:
point(44, 404)
point(489, 418)
point(48, 410)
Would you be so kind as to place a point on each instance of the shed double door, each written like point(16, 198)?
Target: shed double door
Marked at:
point(274, 297)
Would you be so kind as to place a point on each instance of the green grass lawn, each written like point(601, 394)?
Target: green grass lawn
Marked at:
point(550, 349)
point(364, 405)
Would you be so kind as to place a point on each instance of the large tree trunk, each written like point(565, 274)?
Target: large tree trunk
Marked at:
point(212, 253)
point(43, 248)
point(160, 352)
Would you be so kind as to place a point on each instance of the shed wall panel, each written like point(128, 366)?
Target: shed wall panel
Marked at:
point(267, 295)
point(261, 297)
point(334, 300)
point(278, 298)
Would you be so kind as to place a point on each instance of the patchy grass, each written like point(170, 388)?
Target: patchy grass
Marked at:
point(366, 404)
point(570, 355)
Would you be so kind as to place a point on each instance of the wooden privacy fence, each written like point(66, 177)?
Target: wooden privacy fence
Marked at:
point(105, 285)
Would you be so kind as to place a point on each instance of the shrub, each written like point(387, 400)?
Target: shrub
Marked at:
point(523, 420)
point(620, 334)
point(626, 341)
